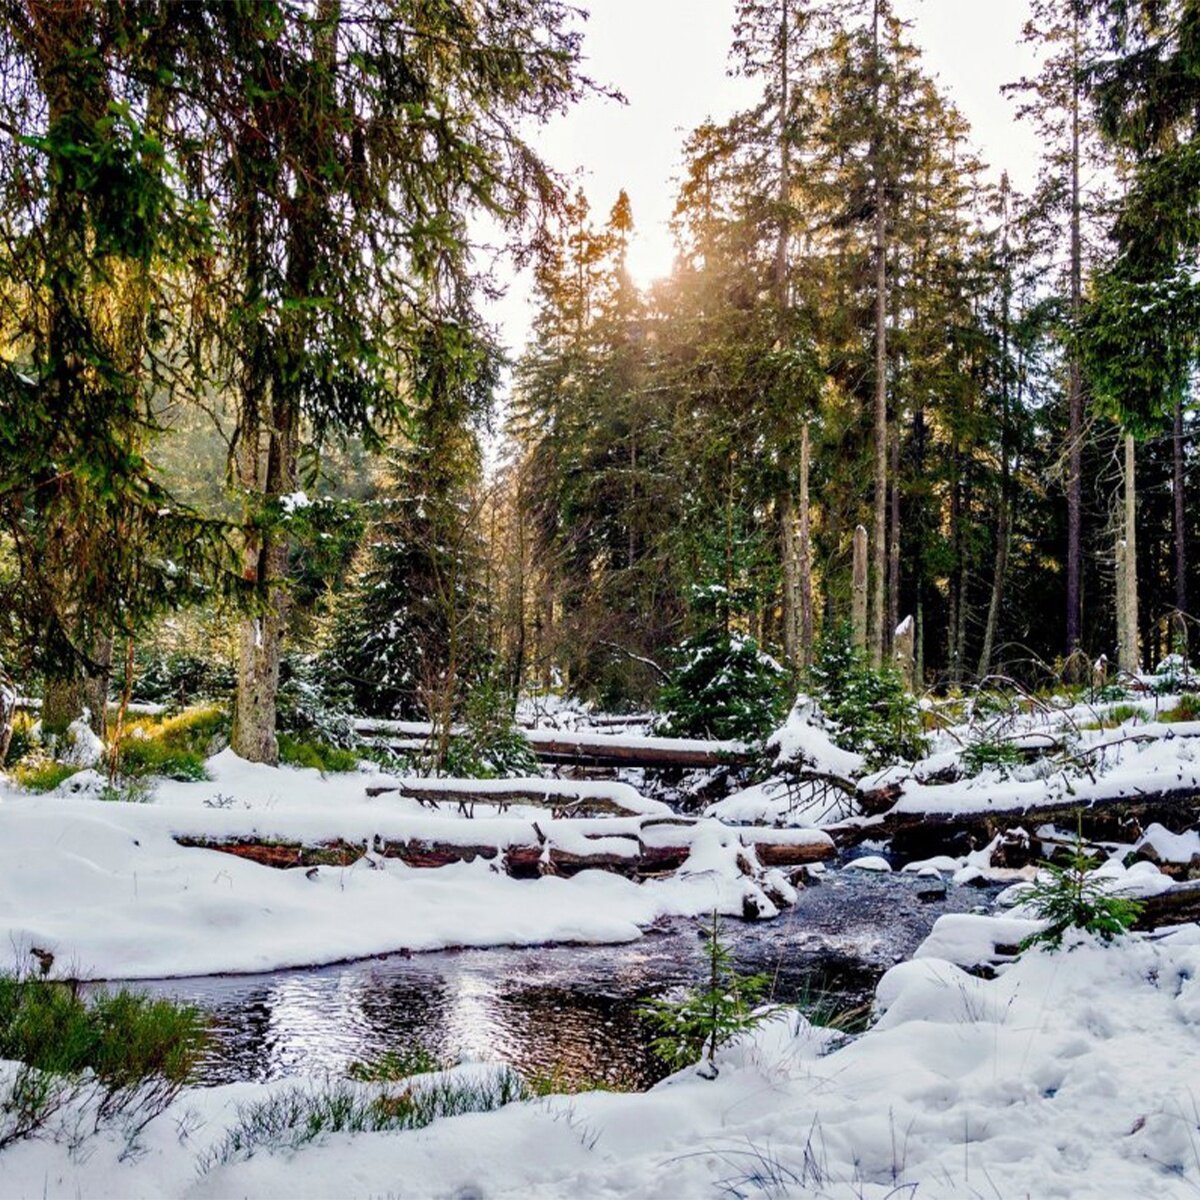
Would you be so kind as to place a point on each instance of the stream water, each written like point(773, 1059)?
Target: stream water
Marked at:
point(570, 1011)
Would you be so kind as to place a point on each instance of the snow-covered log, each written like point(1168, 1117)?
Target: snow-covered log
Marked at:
point(658, 847)
point(592, 749)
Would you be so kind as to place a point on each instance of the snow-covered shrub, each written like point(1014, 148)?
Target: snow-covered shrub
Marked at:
point(309, 710)
point(181, 678)
point(1173, 674)
point(868, 708)
point(723, 686)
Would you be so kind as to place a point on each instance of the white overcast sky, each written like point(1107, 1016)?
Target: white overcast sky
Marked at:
point(670, 57)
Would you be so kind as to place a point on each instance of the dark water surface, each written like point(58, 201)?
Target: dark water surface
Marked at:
point(569, 1010)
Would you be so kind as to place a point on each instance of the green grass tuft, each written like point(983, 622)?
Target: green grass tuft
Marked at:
point(316, 755)
point(42, 774)
point(296, 1116)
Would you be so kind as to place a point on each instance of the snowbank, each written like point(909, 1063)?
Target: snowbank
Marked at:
point(109, 892)
point(1070, 1075)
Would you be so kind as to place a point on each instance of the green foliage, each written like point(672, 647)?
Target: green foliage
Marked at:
point(308, 710)
point(124, 1053)
point(143, 756)
point(988, 752)
point(178, 677)
point(1187, 709)
point(1073, 898)
point(492, 747)
point(869, 710)
point(290, 1119)
point(394, 1065)
point(723, 686)
point(23, 741)
point(173, 747)
point(709, 1016)
point(41, 774)
point(294, 752)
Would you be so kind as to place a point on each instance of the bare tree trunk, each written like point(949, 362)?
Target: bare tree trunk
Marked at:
point(858, 596)
point(893, 588)
point(1075, 392)
point(1121, 594)
point(791, 580)
point(1179, 522)
point(805, 553)
point(1130, 606)
point(879, 549)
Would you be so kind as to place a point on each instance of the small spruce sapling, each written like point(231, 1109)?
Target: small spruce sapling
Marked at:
point(710, 1016)
point(1073, 898)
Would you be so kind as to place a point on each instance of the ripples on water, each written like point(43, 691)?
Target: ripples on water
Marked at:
point(571, 1011)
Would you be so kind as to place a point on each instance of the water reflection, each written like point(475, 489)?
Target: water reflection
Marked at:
point(570, 1011)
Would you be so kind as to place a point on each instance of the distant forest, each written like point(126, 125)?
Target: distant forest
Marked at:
point(252, 440)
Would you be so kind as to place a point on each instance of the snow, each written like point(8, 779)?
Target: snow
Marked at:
point(83, 747)
point(620, 795)
point(803, 743)
point(106, 888)
point(1071, 1074)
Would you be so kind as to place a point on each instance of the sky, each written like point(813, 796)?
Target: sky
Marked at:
point(669, 58)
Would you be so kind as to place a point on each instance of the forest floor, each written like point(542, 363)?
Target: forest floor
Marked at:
point(1066, 1073)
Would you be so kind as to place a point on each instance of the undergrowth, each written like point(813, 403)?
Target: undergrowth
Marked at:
point(296, 1116)
point(295, 752)
point(120, 1055)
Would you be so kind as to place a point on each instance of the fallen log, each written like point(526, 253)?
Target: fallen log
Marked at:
point(1116, 818)
point(1178, 906)
point(563, 799)
point(586, 748)
point(625, 853)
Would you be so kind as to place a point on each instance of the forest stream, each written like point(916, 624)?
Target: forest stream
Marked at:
point(567, 1011)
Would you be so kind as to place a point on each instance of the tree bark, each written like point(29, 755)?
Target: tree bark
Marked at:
point(858, 585)
point(1179, 520)
point(791, 580)
point(1075, 387)
point(1131, 659)
point(879, 550)
point(805, 553)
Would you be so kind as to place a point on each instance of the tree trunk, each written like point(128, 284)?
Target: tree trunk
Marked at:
point(858, 594)
point(791, 580)
point(1075, 391)
point(1131, 658)
point(805, 553)
point(269, 450)
point(893, 588)
point(1179, 520)
point(879, 550)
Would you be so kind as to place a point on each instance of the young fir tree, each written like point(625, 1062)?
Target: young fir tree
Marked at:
point(410, 634)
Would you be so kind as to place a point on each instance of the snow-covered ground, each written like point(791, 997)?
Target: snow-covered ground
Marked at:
point(107, 890)
point(1072, 1074)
